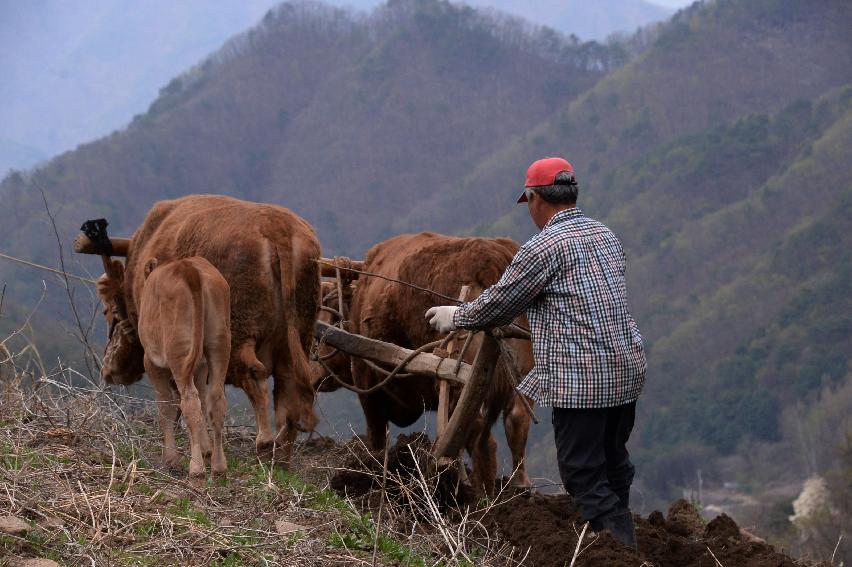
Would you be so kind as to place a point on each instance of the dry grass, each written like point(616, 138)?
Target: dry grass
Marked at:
point(419, 508)
point(81, 464)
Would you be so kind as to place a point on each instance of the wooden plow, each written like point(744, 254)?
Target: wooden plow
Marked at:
point(473, 378)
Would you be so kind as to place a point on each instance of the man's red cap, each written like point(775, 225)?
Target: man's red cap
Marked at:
point(543, 172)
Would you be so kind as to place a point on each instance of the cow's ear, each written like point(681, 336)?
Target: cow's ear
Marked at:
point(150, 265)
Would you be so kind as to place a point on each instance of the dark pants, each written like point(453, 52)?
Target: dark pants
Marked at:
point(593, 460)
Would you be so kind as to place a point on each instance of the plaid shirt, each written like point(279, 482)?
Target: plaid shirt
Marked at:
point(570, 280)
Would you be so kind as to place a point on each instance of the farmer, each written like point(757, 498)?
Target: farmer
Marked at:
point(589, 359)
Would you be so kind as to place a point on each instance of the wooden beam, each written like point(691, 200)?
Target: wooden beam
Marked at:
point(83, 245)
point(452, 441)
point(425, 364)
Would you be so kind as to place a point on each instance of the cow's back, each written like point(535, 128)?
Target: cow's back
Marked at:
point(266, 254)
point(393, 312)
point(389, 310)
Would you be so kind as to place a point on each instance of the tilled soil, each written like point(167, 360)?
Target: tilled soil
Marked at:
point(547, 527)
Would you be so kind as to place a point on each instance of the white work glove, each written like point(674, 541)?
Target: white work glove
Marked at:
point(441, 318)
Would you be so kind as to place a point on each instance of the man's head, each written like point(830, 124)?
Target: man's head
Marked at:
point(550, 187)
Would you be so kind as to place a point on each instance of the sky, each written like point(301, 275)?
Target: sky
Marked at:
point(672, 3)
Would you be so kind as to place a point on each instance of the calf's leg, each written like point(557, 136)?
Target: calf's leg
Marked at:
point(168, 410)
point(190, 404)
point(218, 367)
point(200, 378)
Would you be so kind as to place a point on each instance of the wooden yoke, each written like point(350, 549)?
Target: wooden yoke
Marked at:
point(94, 240)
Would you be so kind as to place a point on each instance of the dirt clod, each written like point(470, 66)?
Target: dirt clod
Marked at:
point(683, 519)
point(283, 527)
point(722, 527)
point(14, 526)
point(41, 562)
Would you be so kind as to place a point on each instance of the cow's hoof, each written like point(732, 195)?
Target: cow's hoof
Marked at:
point(264, 449)
point(197, 480)
point(173, 466)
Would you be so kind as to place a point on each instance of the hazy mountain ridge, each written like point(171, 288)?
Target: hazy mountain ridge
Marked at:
point(60, 90)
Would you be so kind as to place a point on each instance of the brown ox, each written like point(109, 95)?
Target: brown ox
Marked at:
point(392, 312)
point(184, 327)
point(267, 255)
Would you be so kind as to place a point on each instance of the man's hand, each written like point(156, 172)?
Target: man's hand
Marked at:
point(441, 318)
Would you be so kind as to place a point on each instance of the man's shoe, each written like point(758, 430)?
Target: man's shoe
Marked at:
point(620, 525)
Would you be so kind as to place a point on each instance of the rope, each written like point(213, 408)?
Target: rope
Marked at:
point(374, 275)
point(46, 269)
point(408, 284)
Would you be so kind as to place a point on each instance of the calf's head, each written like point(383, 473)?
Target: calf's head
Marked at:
point(123, 355)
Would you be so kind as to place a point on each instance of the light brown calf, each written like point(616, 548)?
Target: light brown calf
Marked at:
point(184, 327)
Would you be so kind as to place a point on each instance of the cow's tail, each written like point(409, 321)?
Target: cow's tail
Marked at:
point(307, 419)
point(196, 349)
point(303, 292)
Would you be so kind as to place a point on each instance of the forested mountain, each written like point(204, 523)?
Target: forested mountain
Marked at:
point(720, 155)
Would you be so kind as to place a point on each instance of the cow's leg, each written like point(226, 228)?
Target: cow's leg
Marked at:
point(294, 407)
point(258, 395)
point(190, 403)
point(217, 362)
point(288, 409)
point(376, 418)
point(483, 452)
point(168, 410)
point(517, 424)
point(252, 379)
